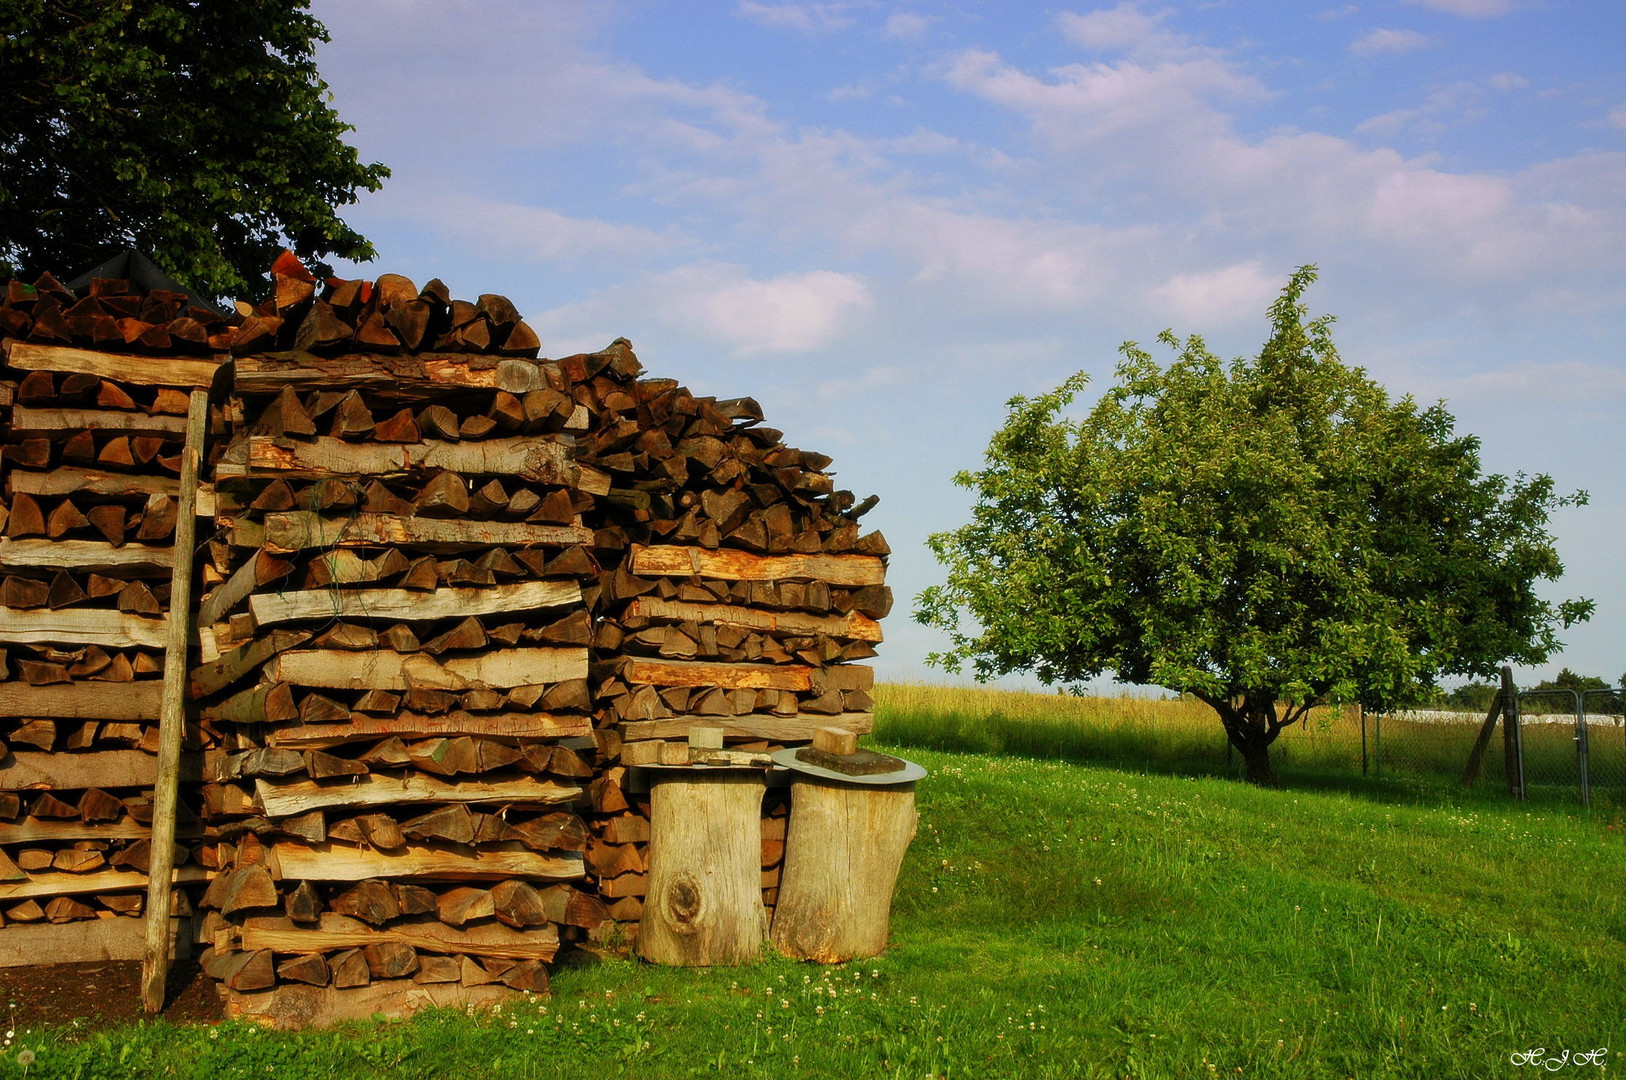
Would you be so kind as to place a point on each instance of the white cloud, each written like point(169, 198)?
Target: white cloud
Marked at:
point(785, 314)
point(1217, 297)
point(1617, 117)
point(1112, 29)
point(1468, 9)
point(907, 26)
point(487, 226)
point(1382, 41)
point(1507, 80)
point(803, 18)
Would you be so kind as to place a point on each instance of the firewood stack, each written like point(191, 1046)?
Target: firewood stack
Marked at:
point(736, 591)
point(92, 455)
point(397, 651)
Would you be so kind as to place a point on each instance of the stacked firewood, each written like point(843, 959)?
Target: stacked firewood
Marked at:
point(92, 456)
point(737, 589)
point(396, 651)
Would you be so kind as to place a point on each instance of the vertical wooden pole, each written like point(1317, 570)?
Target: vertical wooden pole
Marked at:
point(1512, 745)
point(172, 717)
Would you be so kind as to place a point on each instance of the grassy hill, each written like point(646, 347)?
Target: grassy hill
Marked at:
point(1065, 920)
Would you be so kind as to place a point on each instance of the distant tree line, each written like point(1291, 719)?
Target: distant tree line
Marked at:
point(1476, 696)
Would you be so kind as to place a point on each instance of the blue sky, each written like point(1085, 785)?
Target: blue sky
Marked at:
point(882, 220)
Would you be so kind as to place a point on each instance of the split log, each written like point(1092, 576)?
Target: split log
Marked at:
point(799, 728)
point(289, 532)
point(853, 626)
point(537, 460)
point(100, 882)
point(109, 629)
point(727, 564)
point(101, 421)
point(85, 555)
point(408, 725)
point(142, 370)
point(326, 862)
point(640, 670)
point(506, 668)
point(269, 608)
point(287, 798)
point(294, 1008)
point(83, 701)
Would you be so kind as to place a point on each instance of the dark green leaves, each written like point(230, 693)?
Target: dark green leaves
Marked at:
point(198, 133)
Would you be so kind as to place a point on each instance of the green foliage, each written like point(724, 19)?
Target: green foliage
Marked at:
point(196, 132)
point(1276, 529)
point(1474, 696)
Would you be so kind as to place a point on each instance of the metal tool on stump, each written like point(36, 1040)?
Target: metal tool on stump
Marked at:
point(851, 820)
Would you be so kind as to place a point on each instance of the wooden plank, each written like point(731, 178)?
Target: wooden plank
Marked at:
point(102, 881)
point(293, 1007)
point(90, 556)
point(70, 479)
point(385, 670)
point(337, 932)
point(81, 626)
point(82, 700)
point(231, 592)
point(798, 728)
point(85, 941)
point(396, 604)
point(505, 726)
point(267, 373)
point(334, 862)
point(30, 831)
point(286, 798)
point(299, 530)
point(538, 459)
point(854, 626)
point(727, 564)
point(640, 670)
point(27, 419)
point(23, 770)
point(172, 722)
point(120, 367)
point(209, 678)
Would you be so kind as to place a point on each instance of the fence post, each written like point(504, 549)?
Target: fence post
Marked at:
point(1581, 748)
point(1363, 740)
point(1377, 745)
point(1512, 735)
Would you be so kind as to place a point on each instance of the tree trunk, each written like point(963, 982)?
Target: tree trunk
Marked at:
point(1256, 757)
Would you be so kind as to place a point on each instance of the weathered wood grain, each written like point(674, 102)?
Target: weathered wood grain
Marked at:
point(81, 626)
point(300, 530)
point(797, 728)
point(121, 367)
point(333, 862)
point(412, 726)
point(384, 670)
point(89, 556)
point(397, 604)
point(853, 626)
point(728, 564)
point(287, 798)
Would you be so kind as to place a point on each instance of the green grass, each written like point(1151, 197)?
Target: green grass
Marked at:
point(1059, 920)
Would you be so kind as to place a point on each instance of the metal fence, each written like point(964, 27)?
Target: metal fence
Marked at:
point(1565, 744)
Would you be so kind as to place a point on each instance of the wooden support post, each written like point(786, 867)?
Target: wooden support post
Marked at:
point(1512, 742)
point(842, 853)
point(172, 719)
point(704, 900)
point(1470, 772)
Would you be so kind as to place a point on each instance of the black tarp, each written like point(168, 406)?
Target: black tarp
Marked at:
point(143, 274)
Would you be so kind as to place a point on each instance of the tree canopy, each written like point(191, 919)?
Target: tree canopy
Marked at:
point(1266, 535)
point(198, 133)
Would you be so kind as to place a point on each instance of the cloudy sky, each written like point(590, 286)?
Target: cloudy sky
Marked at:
point(882, 220)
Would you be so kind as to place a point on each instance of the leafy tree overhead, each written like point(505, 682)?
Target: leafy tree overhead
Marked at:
point(196, 132)
point(1266, 535)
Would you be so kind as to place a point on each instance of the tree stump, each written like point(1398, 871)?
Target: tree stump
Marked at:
point(704, 900)
point(842, 854)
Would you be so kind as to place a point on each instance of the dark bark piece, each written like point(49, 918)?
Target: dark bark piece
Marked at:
point(453, 823)
point(400, 428)
point(507, 412)
point(286, 415)
point(136, 599)
point(310, 827)
point(42, 672)
point(321, 330)
point(80, 449)
point(489, 501)
point(37, 388)
point(311, 970)
point(445, 495)
point(390, 959)
point(37, 733)
point(26, 518)
point(379, 499)
point(116, 453)
point(378, 703)
point(328, 493)
point(370, 901)
point(464, 904)
point(157, 519)
point(415, 899)
point(64, 591)
point(518, 904)
point(410, 321)
point(65, 519)
point(476, 427)
point(468, 634)
point(400, 637)
point(109, 521)
point(439, 422)
point(277, 495)
point(320, 709)
point(521, 342)
point(352, 419)
point(349, 969)
point(247, 888)
point(422, 575)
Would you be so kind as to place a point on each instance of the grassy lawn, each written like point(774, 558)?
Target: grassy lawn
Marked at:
point(1057, 919)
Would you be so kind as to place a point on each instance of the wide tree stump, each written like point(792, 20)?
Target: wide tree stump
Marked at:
point(704, 900)
point(842, 854)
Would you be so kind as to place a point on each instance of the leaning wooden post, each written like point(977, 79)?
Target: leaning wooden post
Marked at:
point(172, 715)
point(703, 905)
point(845, 844)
